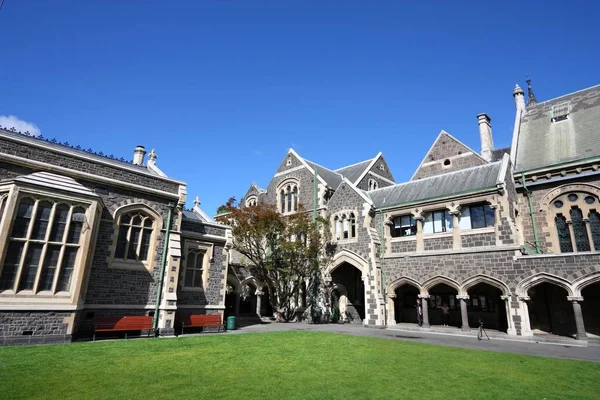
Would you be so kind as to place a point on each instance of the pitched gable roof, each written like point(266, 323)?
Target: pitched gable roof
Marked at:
point(442, 150)
point(542, 143)
point(355, 171)
point(454, 183)
point(325, 175)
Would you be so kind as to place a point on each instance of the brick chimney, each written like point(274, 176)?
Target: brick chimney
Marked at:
point(485, 133)
point(138, 155)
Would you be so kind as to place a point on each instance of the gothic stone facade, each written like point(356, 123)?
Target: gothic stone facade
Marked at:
point(83, 235)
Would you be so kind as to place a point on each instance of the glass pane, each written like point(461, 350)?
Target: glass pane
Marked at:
point(564, 235)
point(145, 246)
point(595, 228)
point(66, 269)
point(60, 223)
point(289, 200)
point(449, 221)
point(137, 220)
point(477, 217)
point(42, 220)
point(582, 242)
point(76, 225)
point(572, 197)
point(464, 221)
point(198, 278)
point(558, 204)
point(189, 277)
point(125, 219)
point(49, 268)
point(282, 195)
point(490, 216)
point(190, 261)
point(121, 242)
point(199, 261)
point(438, 221)
point(30, 266)
point(148, 222)
point(428, 224)
point(588, 200)
point(11, 264)
point(23, 218)
point(134, 240)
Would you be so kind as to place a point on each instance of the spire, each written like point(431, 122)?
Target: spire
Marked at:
point(531, 100)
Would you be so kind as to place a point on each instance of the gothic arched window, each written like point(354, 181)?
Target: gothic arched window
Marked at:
point(582, 241)
point(595, 229)
point(577, 221)
point(564, 235)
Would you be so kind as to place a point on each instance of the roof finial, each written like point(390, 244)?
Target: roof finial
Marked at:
point(531, 100)
point(152, 156)
point(197, 201)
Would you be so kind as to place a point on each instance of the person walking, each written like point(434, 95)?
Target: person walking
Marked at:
point(419, 313)
point(445, 314)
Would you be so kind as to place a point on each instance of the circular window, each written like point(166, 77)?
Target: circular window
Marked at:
point(558, 204)
point(572, 197)
point(446, 162)
point(590, 199)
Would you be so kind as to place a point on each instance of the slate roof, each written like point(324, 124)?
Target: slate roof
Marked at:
point(197, 215)
point(332, 178)
point(453, 183)
point(54, 182)
point(354, 171)
point(499, 153)
point(543, 143)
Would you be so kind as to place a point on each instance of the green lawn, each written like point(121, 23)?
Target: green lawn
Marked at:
point(299, 365)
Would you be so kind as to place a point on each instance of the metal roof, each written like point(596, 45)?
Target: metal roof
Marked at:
point(54, 182)
point(543, 143)
point(453, 183)
point(354, 171)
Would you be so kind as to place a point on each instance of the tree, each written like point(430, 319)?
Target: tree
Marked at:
point(282, 251)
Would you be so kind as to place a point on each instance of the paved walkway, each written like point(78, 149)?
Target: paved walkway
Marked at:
point(574, 350)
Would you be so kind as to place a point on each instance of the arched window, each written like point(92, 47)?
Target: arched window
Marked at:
point(43, 246)
point(295, 194)
point(352, 226)
point(373, 184)
point(345, 227)
point(282, 199)
point(338, 227)
point(251, 201)
point(288, 197)
point(135, 235)
point(577, 221)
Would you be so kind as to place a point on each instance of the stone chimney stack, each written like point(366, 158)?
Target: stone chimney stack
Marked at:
point(138, 155)
point(485, 133)
point(519, 96)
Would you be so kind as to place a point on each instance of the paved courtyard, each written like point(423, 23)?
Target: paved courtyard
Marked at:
point(569, 349)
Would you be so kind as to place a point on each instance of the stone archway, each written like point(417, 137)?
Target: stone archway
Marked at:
point(350, 277)
point(587, 288)
point(489, 302)
point(403, 294)
point(549, 310)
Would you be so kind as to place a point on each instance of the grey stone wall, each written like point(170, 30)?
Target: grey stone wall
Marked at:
point(386, 173)
point(85, 165)
point(404, 246)
point(15, 323)
point(439, 243)
point(483, 239)
point(305, 185)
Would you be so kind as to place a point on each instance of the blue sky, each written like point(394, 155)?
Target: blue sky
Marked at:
point(222, 89)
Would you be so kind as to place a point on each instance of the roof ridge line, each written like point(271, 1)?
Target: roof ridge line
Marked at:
point(352, 165)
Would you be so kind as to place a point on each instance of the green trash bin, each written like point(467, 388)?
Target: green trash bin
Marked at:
point(231, 323)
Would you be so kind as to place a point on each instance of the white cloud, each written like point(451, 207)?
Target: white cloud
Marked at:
point(11, 121)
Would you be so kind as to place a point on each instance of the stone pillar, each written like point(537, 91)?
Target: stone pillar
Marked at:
point(580, 335)
point(572, 233)
point(463, 312)
point(510, 329)
point(456, 239)
point(424, 298)
point(588, 228)
point(391, 309)
point(259, 295)
point(525, 323)
point(420, 244)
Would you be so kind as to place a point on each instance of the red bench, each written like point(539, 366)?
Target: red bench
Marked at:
point(125, 324)
point(201, 321)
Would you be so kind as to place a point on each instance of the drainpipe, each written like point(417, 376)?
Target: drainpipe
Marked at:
point(381, 260)
point(536, 239)
point(162, 268)
point(315, 196)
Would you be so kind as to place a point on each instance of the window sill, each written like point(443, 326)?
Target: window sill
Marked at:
point(130, 265)
point(403, 239)
point(437, 235)
point(477, 231)
point(344, 241)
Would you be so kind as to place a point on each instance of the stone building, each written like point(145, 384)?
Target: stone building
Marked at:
point(83, 234)
point(509, 237)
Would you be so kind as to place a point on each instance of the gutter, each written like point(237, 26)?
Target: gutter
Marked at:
point(420, 201)
point(162, 269)
point(536, 239)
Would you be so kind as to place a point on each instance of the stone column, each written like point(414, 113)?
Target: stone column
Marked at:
point(391, 309)
point(456, 239)
point(259, 295)
point(420, 244)
point(510, 329)
point(572, 233)
point(525, 324)
point(580, 335)
point(424, 298)
point(588, 228)
point(463, 312)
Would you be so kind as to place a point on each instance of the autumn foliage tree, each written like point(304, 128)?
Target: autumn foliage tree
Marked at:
point(281, 251)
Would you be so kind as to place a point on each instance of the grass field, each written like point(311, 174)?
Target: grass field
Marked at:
point(291, 365)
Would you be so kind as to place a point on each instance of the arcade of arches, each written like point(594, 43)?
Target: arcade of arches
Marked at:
point(549, 307)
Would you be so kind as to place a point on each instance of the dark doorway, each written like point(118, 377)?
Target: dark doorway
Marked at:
point(439, 295)
point(590, 308)
point(549, 310)
point(350, 278)
point(248, 299)
point(485, 303)
point(405, 304)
